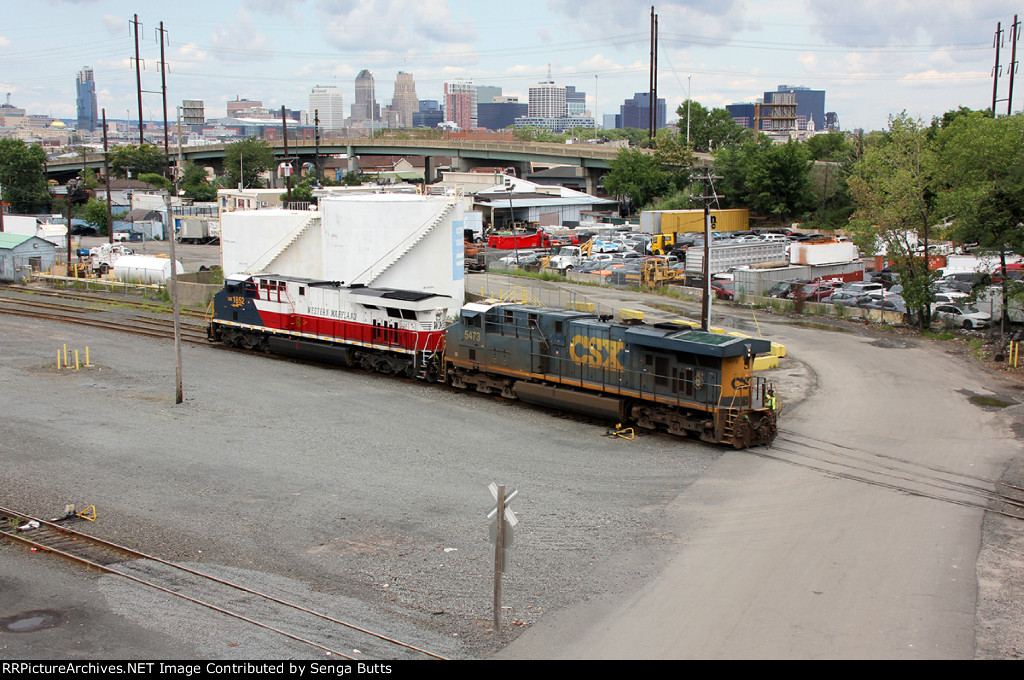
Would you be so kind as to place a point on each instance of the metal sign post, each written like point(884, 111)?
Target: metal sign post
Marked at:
point(504, 521)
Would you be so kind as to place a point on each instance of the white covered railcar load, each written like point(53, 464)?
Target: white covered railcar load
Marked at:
point(144, 269)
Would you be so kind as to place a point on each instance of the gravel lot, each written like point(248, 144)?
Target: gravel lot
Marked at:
point(368, 492)
point(360, 495)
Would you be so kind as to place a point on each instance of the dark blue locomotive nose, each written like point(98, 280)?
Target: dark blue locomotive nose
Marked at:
point(236, 302)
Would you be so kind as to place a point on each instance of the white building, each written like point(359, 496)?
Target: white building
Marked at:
point(402, 241)
point(326, 101)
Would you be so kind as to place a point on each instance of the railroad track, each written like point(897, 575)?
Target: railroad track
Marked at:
point(102, 317)
point(895, 473)
point(298, 623)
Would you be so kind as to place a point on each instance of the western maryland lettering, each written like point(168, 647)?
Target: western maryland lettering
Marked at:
point(597, 352)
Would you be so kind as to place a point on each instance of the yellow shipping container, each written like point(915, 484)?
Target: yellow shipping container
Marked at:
point(676, 221)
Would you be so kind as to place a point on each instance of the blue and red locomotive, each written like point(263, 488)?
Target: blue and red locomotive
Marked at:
point(662, 376)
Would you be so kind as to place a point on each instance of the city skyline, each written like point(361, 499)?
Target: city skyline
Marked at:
point(907, 59)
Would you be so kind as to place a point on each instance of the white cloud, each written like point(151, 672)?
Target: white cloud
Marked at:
point(391, 26)
point(240, 40)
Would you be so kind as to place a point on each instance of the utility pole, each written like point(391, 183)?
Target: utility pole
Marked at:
point(997, 41)
point(138, 80)
point(650, 85)
point(1014, 35)
point(288, 170)
point(169, 229)
point(106, 177)
point(316, 135)
point(163, 88)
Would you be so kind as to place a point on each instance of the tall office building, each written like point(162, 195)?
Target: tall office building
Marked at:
point(365, 106)
point(460, 104)
point(326, 102)
point(485, 94)
point(405, 103)
point(575, 101)
point(547, 100)
point(636, 112)
point(85, 88)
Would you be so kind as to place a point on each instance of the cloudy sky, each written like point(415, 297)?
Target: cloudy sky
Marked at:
point(873, 57)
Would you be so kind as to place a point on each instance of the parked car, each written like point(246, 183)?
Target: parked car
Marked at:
point(814, 292)
point(863, 287)
point(949, 297)
point(962, 315)
point(723, 290)
point(784, 288)
point(845, 298)
point(890, 304)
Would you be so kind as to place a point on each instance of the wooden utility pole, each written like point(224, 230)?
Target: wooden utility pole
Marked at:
point(998, 41)
point(106, 177)
point(169, 229)
point(287, 173)
point(138, 81)
point(1014, 35)
point(163, 88)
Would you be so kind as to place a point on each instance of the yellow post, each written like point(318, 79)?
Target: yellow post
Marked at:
point(76, 359)
point(87, 355)
point(65, 354)
point(756, 325)
point(58, 359)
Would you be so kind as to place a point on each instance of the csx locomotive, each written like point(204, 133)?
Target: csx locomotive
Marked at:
point(663, 376)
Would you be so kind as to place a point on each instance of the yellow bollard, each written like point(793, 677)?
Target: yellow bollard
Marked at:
point(87, 355)
point(58, 359)
point(65, 354)
point(76, 359)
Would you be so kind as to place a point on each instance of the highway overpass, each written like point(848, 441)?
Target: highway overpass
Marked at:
point(595, 158)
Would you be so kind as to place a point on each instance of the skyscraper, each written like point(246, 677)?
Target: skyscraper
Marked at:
point(547, 100)
point(85, 88)
point(365, 106)
point(326, 102)
point(460, 104)
point(405, 101)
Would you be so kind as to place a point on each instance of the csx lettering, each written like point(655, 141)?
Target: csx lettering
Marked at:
point(740, 383)
point(597, 352)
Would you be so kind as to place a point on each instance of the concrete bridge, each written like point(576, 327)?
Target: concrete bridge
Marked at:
point(466, 154)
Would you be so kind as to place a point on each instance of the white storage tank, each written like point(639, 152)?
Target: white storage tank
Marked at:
point(144, 269)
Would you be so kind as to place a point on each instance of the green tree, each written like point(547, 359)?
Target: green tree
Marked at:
point(196, 185)
point(158, 181)
point(137, 160)
point(22, 176)
point(249, 158)
point(95, 213)
point(892, 188)
point(771, 179)
point(709, 129)
point(979, 182)
point(638, 176)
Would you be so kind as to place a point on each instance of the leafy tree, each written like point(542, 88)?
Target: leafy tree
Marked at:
point(710, 129)
point(638, 176)
point(892, 188)
point(22, 176)
point(95, 213)
point(980, 181)
point(353, 179)
point(771, 179)
point(137, 160)
point(196, 185)
point(249, 157)
point(159, 181)
point(302, 191)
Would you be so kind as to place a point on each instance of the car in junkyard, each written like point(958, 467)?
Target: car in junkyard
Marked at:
point(962, 315)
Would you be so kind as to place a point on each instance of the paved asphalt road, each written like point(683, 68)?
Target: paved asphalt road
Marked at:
point(787, 561)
